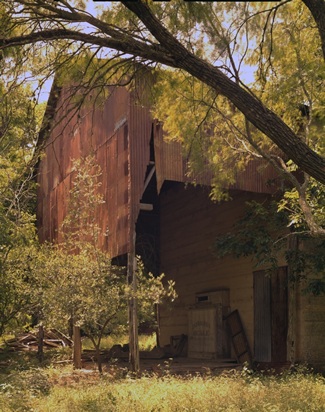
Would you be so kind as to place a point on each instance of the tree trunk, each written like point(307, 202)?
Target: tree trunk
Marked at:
point(317, 9)
point(99, 359)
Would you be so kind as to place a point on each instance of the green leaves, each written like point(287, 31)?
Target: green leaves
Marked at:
point(257, 234)
point(16, 286)
point(151, 291)
point(77, 287)
point(77, 282)
point(18, 132)
point(261, 235)
point(314, 195)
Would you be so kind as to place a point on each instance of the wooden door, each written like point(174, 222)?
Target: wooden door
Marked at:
point(270, 315)
point(204, 341)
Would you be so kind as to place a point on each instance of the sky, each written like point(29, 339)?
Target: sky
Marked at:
point(95, 7)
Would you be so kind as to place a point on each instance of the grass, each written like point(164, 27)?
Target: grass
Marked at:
point(62, 389)
point(146, 342)
point(27, 387)
point(65, 390)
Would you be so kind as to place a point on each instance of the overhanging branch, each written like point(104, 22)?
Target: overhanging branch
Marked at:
point(253, 109)
point(169, 51)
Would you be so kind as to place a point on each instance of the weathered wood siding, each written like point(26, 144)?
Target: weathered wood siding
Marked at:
point(310, 330)
point(189, 225)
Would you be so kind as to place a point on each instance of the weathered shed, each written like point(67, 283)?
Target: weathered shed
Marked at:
point(145, 187)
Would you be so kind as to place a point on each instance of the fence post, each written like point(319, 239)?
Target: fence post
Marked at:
point(76, 347)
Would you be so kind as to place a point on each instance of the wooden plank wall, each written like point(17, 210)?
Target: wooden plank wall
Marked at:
point(310, 330)
point(189, 224)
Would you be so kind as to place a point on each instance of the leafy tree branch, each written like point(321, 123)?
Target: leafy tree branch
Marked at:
point(163, 48)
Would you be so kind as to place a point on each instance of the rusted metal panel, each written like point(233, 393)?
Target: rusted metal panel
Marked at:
point(271, 315)
point(118, 132)
point(262, 317)
point(279, 322)
point(139, 138)
point(111, 194)
point(258, 177)
point(53, 215)
point(170, 164)
point(99, 131)
point(62, 198)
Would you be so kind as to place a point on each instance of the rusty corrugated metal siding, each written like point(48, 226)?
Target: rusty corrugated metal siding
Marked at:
point(258, 177)
point(118, 133)
point(140, 128)
point(171, 165)
point(105, 132)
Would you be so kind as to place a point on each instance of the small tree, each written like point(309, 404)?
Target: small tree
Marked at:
point(16, 289)
point(77, 282)
point(82, 289)
point(19, 121)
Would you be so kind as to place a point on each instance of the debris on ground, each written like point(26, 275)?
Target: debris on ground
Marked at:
point(30, 340)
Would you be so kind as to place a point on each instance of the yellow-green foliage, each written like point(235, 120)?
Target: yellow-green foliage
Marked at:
point(49, 391)
point(146, 342)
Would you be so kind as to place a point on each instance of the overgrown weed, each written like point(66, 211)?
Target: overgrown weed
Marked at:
point(66, 390)
point(26, 386)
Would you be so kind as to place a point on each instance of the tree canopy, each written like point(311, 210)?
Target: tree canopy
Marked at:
point(203, 51)
point(18, 134)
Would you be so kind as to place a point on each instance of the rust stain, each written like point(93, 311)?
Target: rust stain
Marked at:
point(118, 133)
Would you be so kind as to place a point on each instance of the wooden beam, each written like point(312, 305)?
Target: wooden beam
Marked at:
point(150, 174)
point(146, 206)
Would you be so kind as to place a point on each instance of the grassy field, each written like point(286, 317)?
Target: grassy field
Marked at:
point(62, 389)
point(27, 387)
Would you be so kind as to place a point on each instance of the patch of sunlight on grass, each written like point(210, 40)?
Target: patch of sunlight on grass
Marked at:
point(68, 390)
point(146, 342)
point(202, 394)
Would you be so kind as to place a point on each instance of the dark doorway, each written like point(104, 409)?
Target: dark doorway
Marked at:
point(270, 315)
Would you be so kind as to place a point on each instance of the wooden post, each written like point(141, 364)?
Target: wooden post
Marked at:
point(134, 357)
point(293, 244)
point(40, 349)
point(76, 347)
point(158, 325)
